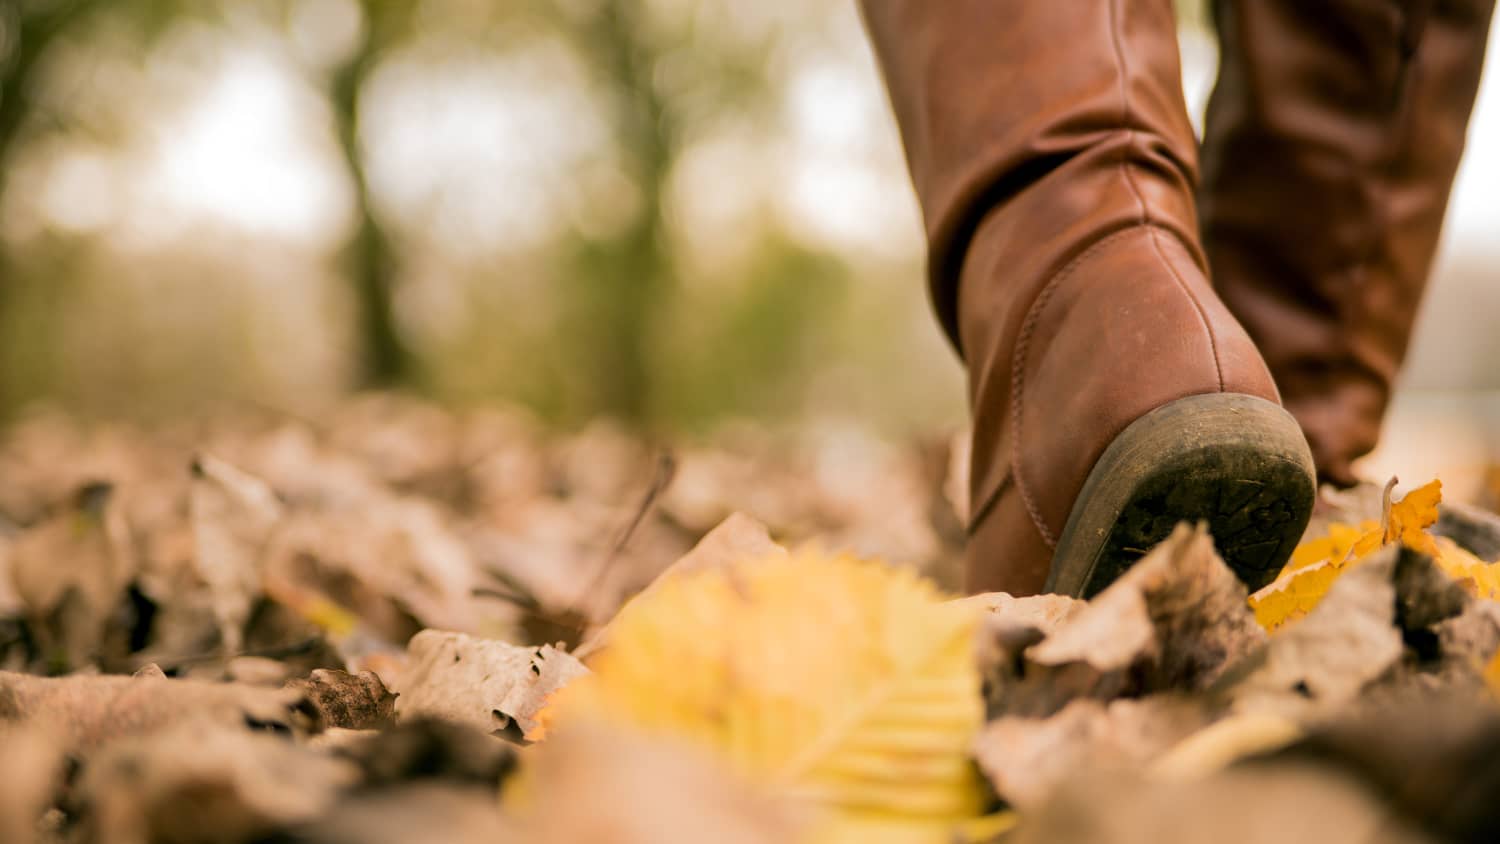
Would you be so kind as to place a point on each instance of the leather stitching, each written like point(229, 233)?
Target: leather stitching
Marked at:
point(1017, 384)
point(1033, 313)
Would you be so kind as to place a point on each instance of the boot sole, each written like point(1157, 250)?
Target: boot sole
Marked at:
point(1236, 462)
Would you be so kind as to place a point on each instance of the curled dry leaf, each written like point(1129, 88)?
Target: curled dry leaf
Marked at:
point(85, 712)
point(201, 782)
point(1175, 621)
point(1101, 653)
point(484, 683)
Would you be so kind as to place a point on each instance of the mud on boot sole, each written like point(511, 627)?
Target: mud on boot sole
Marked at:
point(1236, 462)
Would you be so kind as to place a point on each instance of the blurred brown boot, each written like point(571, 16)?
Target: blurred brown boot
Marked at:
point(1331, 142)
point(1113, 394)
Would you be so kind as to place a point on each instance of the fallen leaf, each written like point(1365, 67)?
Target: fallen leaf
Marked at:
point(1282, 804)
point(1027, 758)
point(201, 782)
point(85, 712)
point(70, 572)
point(484, 683)
point(348, 701)
point(613, 786)
point(429, 749)
point(1044, 613)
point(1431, 758)
point(1325, 660)
point(1175, 621)
point(1224, 742)
point(843, 684)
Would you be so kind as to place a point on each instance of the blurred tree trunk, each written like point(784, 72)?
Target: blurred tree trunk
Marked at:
point(370, 259)
point(628, 279)
point(32, 30)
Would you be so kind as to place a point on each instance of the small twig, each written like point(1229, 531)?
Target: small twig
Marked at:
point(661, 478)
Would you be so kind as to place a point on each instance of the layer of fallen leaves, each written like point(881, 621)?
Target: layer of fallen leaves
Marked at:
point(399, 623)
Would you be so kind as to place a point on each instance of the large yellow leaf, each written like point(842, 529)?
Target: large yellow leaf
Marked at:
point(1317, 562)
point(846, 685)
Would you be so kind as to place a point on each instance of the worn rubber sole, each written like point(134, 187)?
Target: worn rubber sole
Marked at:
point(1237, 462)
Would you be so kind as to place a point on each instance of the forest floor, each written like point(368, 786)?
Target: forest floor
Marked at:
point(397, 622)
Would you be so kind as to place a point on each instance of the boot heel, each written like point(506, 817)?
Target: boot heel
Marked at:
point(1235, 461)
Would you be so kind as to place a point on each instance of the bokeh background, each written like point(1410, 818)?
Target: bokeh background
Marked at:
point(679, 213)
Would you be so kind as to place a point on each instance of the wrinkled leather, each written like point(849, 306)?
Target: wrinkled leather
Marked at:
point(1056, 167)
point(1331, 142)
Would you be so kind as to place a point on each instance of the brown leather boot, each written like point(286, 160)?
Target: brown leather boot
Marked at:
point(1113, 394)
point(1331, 142)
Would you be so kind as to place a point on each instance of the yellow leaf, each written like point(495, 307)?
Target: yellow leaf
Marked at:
point(1480, 579)
point(844, 684)
point(1408, 519)
point(1492, 674)
point(1336, 545)
point(1294, 594)
point(1316, 563)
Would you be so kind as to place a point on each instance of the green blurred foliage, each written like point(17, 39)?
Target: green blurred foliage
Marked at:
point(587, 285)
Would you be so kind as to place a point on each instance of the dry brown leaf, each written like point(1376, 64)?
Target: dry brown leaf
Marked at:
point(396, 563)
point(85, 712)
point(348, 701)
point(1101, 653)
point(1282, 804)
point(1027, 758)
point(611, 787)
point(1327, 658)
point(484, 683)
point(201, 782)
point(1044, 613)
point(1197, 606)
point(71, 572)
point(1175, 621)
point(1429, 756)
point(1223, 743)
point(428, 748)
